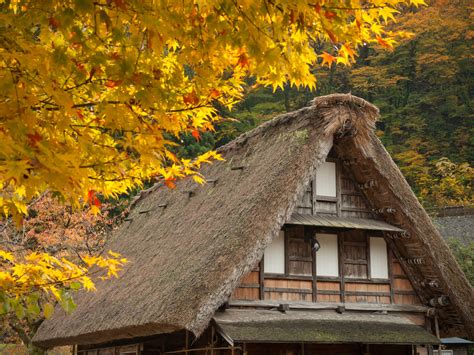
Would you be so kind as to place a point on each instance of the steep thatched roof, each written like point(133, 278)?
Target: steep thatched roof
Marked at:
point(186, 258)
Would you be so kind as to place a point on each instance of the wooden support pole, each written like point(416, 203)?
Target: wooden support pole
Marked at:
point(340, 241)
point(261, 279)
point(437, 332)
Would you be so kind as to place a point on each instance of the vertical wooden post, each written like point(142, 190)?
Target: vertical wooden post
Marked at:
point(314, 271)
point(437, 332)
point(338, 187)
point(313, 195)
point(367, 251)
point(340, 244)
point(287, 256)
point(187, 340)
point(261, 279)
point(390, 272)
point(212, 339)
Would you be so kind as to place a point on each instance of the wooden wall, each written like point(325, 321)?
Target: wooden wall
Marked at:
point(403, 291)
point(299, 283)
point(249, 288)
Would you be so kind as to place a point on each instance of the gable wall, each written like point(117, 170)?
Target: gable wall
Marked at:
point(348, 202)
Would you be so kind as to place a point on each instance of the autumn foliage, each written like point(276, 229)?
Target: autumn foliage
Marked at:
point(92, 92)
point(49, 258)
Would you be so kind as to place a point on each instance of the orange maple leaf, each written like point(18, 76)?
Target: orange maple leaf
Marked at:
point(327, 59)
point(383, 42)
point(215, 93)
point(169, 181)
point(112, 83)
point(329, 15)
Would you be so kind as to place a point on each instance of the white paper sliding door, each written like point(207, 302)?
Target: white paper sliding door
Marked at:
point(274, 256)
point(378, 258)
point(327, 262)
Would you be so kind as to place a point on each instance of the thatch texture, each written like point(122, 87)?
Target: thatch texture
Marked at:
point(258, 326)
point(187, 258)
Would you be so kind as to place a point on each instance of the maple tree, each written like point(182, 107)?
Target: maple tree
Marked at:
point(95, 95)
point(48, 259)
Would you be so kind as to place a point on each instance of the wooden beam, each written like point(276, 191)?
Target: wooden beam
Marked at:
point(288, 290)
point(261, 279)
point(299, 305)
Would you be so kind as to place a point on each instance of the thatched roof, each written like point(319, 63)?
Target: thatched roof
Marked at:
point(263, 326)
point(187, 258)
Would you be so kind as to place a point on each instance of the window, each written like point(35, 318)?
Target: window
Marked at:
point(326, 179)
point(378, 258)
point(274, 256)
point(327, 262)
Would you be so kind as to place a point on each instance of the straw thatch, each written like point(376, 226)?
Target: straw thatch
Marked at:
point(187, 258)
point(264, 326)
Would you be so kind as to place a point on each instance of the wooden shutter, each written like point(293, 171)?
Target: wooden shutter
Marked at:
point(299, 257)
point(355, 255)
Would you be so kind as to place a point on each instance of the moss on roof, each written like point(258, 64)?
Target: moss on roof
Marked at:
point(322, 328)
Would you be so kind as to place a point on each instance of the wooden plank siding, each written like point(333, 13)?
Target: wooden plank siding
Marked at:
point(301, 283)
point(402, 289)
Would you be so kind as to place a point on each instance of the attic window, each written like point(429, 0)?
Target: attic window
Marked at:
point(378, 258)
point(326, 179)
point(274, 256)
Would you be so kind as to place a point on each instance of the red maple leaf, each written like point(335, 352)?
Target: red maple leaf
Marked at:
point(195, 134)
point(243, 60)
point(191, 98)
point(33, 139)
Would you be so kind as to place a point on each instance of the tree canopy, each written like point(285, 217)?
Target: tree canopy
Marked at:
point(92, 92)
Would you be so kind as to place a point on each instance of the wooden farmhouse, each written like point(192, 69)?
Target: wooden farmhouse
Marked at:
point(306, 239)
